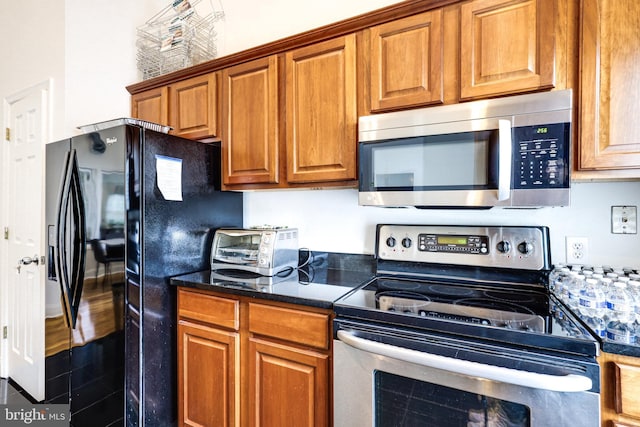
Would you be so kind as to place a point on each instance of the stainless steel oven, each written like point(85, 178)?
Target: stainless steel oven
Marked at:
point(458, 329)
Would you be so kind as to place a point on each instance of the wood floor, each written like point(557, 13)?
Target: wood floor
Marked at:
point(101, 312)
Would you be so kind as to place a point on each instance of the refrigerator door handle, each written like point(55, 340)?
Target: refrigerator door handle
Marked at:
point(71, 281)
point(61, 246)
point(79, 249)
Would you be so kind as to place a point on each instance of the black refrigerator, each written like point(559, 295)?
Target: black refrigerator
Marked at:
point(127, 207)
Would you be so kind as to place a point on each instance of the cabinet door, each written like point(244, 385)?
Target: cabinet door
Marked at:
point(507, 46)
point(287, 384)
point(406, 62)
point(192, 108)
point(620, 390)
point(321, 112)
point(151, 105)
point(208, 376)
point(610, 84)
point(250, 122)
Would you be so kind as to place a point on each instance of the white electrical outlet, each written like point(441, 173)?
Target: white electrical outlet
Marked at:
point(577, 250)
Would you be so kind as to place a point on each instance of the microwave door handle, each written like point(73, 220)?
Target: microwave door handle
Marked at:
point(562, 383)
point(505, 159)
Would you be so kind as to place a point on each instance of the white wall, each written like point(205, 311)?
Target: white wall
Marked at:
point(250, 23)
point(33, 50)
point(331, 220)
point(100, 61)
point(86, 47)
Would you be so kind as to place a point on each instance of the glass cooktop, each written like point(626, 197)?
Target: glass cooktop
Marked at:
point(515, 314)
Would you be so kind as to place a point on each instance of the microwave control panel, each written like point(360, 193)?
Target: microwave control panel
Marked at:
point(542, 160)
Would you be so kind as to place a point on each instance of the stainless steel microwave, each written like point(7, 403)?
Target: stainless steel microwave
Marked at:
point(508, 152)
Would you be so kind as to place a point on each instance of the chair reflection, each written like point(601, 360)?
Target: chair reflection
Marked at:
point(106, 252)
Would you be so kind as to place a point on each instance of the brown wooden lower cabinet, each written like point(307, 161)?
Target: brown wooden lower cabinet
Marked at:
point(248, 363)
point(288, 386)
point(620, 396)
point(209, 383)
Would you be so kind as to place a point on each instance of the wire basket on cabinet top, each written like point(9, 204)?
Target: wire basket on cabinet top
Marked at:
point(177, 37)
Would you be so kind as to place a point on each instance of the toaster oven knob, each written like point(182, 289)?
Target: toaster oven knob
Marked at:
point(525, 248)
point(504, 246)
point(391, 242)
point(406, 242)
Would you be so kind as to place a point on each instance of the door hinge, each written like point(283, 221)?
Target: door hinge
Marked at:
point(6, 233)
point(7, 134)
point(4, 332)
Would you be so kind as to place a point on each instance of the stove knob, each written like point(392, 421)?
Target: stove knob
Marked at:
point(391, 242)
point(504, 246)
point(406, 242)
point(525, 247)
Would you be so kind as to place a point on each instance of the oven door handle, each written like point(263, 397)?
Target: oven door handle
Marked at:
point(564, 383)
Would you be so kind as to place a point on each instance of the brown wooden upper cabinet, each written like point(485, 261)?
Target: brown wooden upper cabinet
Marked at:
point(188, 106)
point(506, 46)
point(610, 85)
point(193, 107)
point(406, 62)
point(250, 135)
point(321, 113)
point(312, 140)
point(289, 109)
point(151, 105)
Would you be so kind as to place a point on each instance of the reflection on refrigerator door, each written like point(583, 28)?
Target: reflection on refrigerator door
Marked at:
point(85, 251)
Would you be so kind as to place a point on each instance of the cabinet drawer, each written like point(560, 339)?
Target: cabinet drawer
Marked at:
point(291, 325)
point(208, 308)
point(627, 397)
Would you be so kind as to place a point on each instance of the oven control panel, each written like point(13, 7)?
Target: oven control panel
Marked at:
point(515, 247)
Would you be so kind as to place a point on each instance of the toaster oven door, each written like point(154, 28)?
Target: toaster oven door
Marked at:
point(236, 247)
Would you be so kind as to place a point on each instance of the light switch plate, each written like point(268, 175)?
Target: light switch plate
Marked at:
point(624, 219)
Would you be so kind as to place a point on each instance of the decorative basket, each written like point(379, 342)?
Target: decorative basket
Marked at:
point(177, 37)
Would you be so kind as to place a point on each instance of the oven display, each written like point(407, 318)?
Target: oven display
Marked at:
point(452, 240)
point(466, 244)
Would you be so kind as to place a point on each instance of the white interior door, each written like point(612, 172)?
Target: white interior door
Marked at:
point(27, 119)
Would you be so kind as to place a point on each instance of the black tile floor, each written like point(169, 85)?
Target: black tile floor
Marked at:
point(12, 394)
point(96, 371)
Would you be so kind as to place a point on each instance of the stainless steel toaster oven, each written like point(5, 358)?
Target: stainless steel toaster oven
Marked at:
point(265, 251)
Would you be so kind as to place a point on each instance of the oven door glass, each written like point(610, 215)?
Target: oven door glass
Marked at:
point(402, 401)
point(459, 161)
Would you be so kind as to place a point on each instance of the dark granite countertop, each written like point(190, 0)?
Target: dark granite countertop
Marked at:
point(323, 280)
point(609, 346)
point(319, 283)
